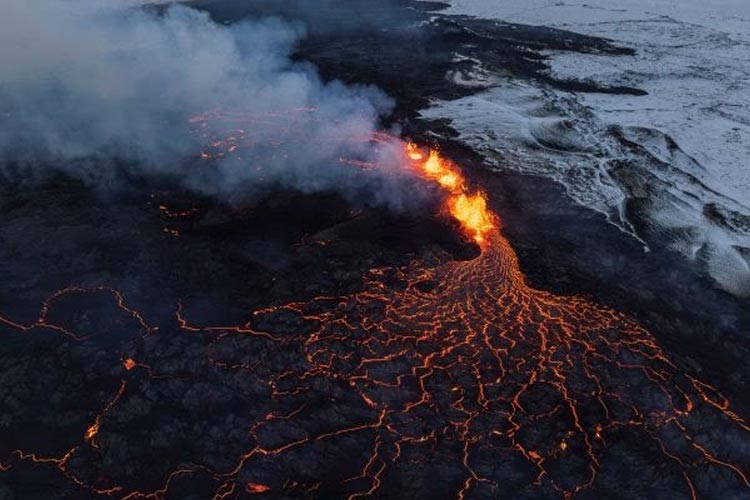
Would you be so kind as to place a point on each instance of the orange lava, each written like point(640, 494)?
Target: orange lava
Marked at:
point(521, 389)
point(468, 209)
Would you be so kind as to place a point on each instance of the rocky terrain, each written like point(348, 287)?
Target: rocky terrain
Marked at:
point(163, 344)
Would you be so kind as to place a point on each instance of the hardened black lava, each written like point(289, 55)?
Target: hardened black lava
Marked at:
point(165, 346)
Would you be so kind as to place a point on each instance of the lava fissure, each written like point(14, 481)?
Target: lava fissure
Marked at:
point(480, 368)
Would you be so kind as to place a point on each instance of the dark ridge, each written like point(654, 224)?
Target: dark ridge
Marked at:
point(541, 37)
point(591, 87)
point(357, 42)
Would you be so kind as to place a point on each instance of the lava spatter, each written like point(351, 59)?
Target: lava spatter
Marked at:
point(515, 392)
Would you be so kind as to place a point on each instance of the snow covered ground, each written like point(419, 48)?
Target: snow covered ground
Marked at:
point(682, 151)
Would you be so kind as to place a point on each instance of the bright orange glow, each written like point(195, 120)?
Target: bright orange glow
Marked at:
point(449, 181)
point(257, 488)
point(412, 152)
point(129, 364)
point(468, 209)
point(471, 212)
point(434, 166)
point(92, 431)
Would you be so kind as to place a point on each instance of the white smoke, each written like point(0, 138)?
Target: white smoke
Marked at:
point(85, 87)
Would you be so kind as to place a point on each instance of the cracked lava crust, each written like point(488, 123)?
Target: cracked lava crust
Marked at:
point(448, 380)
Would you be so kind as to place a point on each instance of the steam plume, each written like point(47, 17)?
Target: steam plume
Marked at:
point(85, 87)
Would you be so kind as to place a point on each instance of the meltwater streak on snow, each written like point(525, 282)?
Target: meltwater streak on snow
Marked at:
point(685, 147)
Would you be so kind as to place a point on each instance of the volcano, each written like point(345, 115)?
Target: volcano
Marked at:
point(390, 317)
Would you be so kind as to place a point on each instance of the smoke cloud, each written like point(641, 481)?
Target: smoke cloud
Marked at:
point(92, 89)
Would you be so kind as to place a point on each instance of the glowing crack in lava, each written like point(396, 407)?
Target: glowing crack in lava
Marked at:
point(515, 392)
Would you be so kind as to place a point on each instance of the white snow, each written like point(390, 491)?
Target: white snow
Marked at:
point(730, 16)
point(693, 59)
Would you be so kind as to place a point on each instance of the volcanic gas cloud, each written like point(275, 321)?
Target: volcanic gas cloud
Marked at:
point(95, 90)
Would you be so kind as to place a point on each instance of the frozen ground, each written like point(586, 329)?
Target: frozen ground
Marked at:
point(671, 167)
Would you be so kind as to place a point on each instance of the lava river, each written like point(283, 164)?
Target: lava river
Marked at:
point(454, 380)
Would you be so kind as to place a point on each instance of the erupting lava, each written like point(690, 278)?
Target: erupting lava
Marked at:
point(469, 209)
point(458, 374)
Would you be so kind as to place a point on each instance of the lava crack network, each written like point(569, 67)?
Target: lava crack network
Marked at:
point(459, 373)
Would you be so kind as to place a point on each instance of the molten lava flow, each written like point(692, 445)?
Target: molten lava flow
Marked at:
point(471, 211)
point(468, 209)
point(506, 390)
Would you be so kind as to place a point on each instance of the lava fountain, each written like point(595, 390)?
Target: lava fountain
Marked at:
point(468, 209)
